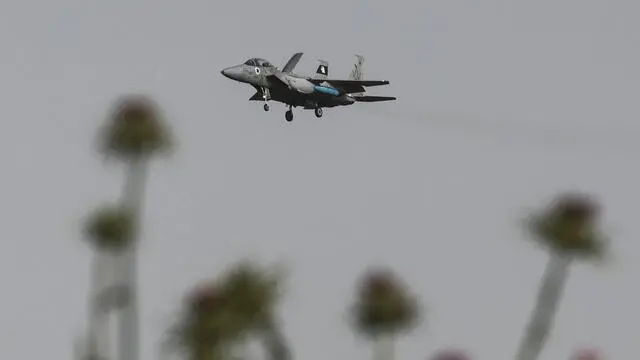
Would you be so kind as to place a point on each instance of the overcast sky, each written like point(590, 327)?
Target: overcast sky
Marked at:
point(501, 105)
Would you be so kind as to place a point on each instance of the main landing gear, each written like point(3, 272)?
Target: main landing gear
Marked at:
point(289, 115)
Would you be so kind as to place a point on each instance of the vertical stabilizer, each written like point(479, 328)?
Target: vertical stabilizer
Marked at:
point(356, 73)
point(291, 64)
point(322, 71)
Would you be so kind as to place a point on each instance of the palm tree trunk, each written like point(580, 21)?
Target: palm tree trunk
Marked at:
point(98, 317)
point(132, 198)
point(542, 318)
point(384, 347)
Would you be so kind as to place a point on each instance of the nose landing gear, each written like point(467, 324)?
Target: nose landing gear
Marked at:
point(318, 112)
point(266, 96)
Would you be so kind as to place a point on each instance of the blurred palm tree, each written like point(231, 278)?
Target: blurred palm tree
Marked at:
point(204, 331)
point(256, 292)
point(134, 133)
point(220, 316)
point(383, 309)
point(109, 230)
point(568, 229)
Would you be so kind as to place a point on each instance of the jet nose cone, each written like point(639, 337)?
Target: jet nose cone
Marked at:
point(232, 73)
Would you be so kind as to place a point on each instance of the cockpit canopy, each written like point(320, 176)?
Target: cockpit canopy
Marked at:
point(258, 62)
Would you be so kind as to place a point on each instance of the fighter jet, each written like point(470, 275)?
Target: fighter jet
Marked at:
point(315, 92)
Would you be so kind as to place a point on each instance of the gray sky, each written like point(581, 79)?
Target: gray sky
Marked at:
point(501, 105)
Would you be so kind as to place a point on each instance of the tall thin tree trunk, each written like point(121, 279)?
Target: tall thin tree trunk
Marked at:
point(80, 347)
point(132, 198)
point(547, 303)
point(384, 347)
point(98, 315)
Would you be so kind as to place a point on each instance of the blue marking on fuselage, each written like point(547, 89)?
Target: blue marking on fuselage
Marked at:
point(326, 90)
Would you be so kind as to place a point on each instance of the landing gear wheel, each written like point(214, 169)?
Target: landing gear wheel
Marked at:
point(288, 115)
point(266, 107)
point(318, 112)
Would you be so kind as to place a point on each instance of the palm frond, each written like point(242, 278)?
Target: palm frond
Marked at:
point(570, 227)
point(110, 228)
point(224, 311)
point(255, 292)
point(136, 128)
point(384, 305)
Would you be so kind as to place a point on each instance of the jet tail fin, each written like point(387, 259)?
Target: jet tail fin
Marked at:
point(356, 73)
point(322, 71)
point(291, 64)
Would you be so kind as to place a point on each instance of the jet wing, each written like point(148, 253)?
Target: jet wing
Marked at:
point(277, 81)
point(278, 91)
point(351, 86)
point(257, 95)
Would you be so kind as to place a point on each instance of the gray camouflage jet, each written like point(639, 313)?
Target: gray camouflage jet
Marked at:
point(294, 90)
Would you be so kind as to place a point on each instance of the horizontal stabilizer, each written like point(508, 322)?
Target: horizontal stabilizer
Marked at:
point(355, 82)
point(367, 98)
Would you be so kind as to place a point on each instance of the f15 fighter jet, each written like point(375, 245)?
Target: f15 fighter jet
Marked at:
point(294, 90)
